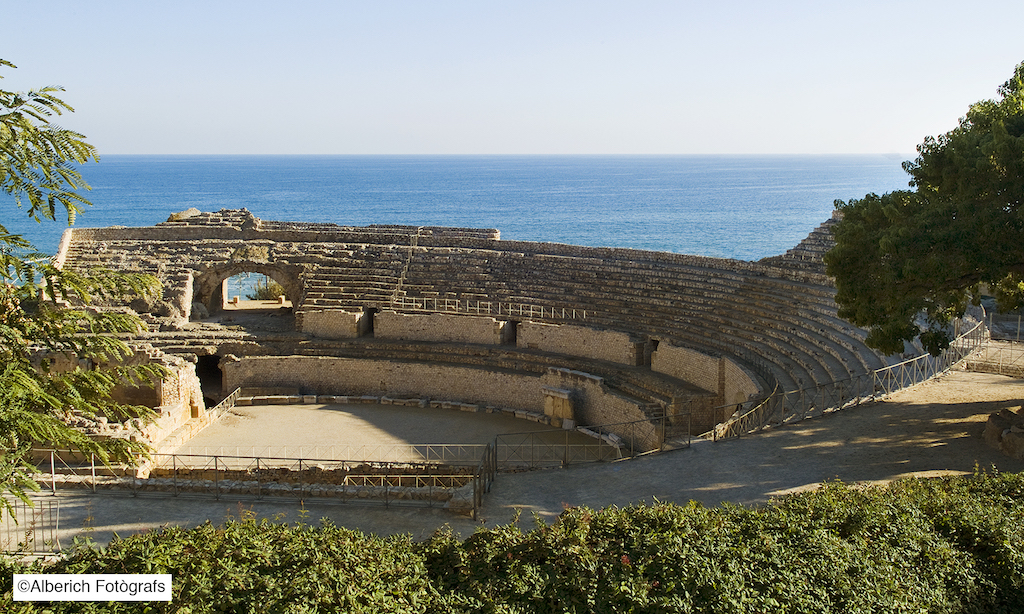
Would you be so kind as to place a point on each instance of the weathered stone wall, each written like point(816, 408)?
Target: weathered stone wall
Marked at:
point(592, 402)
point(608, 345)
point(778, 315)
point(175, 400)
point(718, 375)
point(688, 365)
point(181, 399)
point(704, 413)
point(355, 376)
point(740, 385)
point(332, 323)
point(439, 327)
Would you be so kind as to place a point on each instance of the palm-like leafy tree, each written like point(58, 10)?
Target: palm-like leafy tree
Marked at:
point(59, 357)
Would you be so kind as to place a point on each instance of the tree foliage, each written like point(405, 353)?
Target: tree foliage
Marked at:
point(266, 289)
point(943, 545)
point(907, 262)
point(55, 362)
point(39, 157)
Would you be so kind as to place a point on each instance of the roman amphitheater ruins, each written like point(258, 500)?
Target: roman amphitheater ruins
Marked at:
point(566, 335)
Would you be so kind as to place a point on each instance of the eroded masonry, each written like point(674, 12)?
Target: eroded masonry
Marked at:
point(576, 335)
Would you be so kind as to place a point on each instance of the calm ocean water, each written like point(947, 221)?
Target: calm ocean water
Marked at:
point(745, 207)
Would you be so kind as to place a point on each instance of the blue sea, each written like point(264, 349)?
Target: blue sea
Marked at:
point(744, 207)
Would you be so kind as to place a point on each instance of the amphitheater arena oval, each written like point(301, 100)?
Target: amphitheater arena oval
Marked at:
point(590, 335)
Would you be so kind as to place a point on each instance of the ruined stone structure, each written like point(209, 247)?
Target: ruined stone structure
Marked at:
point(177, 401)
point(598, 334)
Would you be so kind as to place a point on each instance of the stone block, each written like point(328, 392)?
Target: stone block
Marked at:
point(1013, 444)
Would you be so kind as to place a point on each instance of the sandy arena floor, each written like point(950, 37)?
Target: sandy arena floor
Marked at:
point(331, 431)
point(932, 429)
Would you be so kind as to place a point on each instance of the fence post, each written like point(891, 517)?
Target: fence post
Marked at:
point(92, 466)
point(533, 446)
point(174, 473)
point(216, 478)
point(476, 492)
point(565, 450)
point(53, 475)
point(689, 426)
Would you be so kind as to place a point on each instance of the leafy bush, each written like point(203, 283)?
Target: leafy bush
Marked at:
point(950, 545)
point(266, 290)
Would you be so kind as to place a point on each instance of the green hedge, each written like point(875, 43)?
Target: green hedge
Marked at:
point(949, 545)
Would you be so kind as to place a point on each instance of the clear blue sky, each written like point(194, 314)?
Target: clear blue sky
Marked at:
point(516, 77)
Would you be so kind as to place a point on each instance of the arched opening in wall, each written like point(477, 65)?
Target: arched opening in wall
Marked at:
point(255, 296)
point(253, 291)
point(211, 379)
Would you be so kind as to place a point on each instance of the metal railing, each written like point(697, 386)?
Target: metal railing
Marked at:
point(538, 449)
point(1000, 357)
point(228, 403)
point(781, 407)
point(448, 305)
point(483, 478)
point(30, 528)
point(535, 449)
point(456, 485)
point(448, 454)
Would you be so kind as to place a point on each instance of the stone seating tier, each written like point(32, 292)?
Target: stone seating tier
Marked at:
point(622, 316)
point(730, 299)
point(776, 309)
point(658, 391)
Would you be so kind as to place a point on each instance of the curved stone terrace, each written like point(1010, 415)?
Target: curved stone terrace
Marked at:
point(661, 330)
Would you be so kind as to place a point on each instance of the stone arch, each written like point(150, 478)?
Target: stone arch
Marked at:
point(207, 283)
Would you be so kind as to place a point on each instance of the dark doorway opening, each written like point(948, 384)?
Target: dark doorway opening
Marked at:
point(211, 379)
point(366, 326)
point(510, 332)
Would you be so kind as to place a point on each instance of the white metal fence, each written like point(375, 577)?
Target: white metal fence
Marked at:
point(1001, 357)
point(30, 528)
point(496, 308)
point(457, 484)
point(780, 406)
point(445, 453)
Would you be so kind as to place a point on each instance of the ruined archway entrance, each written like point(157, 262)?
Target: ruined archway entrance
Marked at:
point(253, 291)
point(211, 299)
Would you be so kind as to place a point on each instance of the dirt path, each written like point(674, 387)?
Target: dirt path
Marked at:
point(929, 430)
